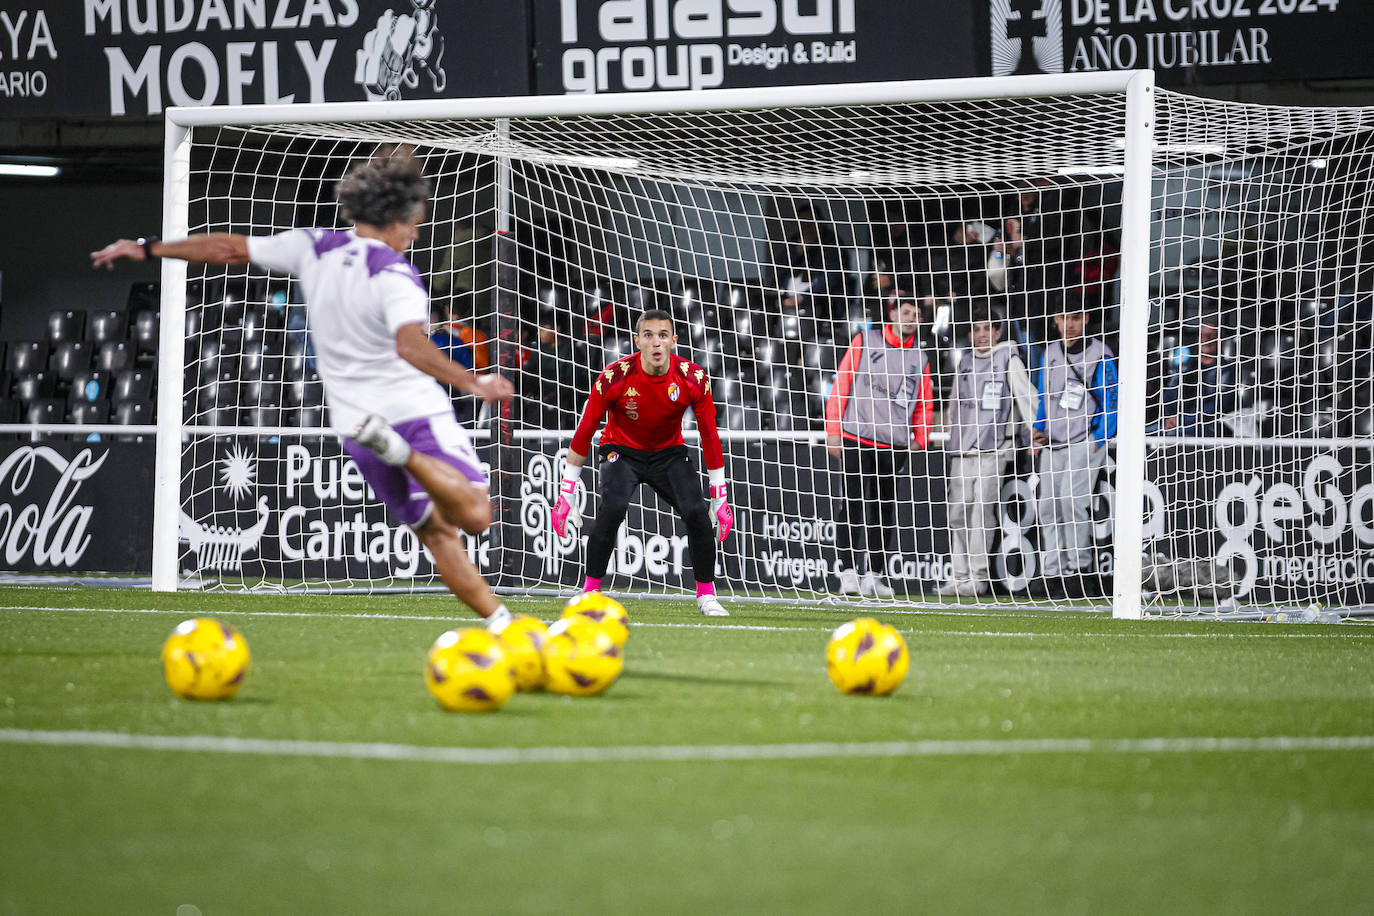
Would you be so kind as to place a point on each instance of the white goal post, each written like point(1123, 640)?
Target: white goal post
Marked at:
point(775, 225)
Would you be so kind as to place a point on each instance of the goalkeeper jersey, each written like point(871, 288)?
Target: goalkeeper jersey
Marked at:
point(358, 293)
point(646, 410)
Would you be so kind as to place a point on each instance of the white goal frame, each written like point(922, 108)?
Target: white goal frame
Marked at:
point(1136, 160)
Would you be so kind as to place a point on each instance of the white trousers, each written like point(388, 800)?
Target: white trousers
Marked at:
point(972, 498)
point(1067, 475)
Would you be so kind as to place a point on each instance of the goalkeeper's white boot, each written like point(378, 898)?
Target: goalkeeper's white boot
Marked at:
point(849, 582)
point(711, 607)
point(375, 435)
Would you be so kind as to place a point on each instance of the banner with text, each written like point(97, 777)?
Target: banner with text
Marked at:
point(133, 58)
point(585, 46)
point(1183, 41)
point(76, 506)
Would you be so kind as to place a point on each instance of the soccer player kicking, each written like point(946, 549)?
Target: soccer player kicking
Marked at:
point(369, 313)
point(646, 396)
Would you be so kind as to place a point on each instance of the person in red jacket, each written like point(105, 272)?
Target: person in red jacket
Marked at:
point(646, 396)
point(879, 408)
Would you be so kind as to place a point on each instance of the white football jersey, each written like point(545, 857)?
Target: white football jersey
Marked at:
point(358, 292)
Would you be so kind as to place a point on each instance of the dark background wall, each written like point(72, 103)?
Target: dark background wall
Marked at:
point(50, 230)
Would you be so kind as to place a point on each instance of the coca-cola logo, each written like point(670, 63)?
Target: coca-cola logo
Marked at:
point(51, 531)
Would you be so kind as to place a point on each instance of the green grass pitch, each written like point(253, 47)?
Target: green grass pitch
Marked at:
point(1033, 762)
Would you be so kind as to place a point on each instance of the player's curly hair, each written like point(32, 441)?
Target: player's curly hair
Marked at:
point(386, 189)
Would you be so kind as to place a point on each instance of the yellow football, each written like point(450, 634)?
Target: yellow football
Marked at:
point(204, 659)
point(598, 608)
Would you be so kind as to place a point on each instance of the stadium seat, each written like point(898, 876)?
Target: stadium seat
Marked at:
point(251, 360)
point(70, 357)
point(90, 412)
point(45, 410)
point(260, 393)
point(133, 385)
point(311, 417)
point(194, 320)
point(133, 413)
point(28, 356)
point(260, 415)
point(104, 326)
point(144, 295)
point(114, 355)
point(91, 386)
point(145, 331)
point(65, 325)
point(33, 385)
point(303, 392)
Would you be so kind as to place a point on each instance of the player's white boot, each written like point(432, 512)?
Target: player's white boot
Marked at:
point(873, 585)
point(711, 607)
point(375, 435)
point(849, 582)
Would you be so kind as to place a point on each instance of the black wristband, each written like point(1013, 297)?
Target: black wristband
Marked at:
point(147, 246)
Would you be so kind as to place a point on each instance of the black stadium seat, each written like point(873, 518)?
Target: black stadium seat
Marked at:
point(144, 295)
point(70, 358)
point(45, 410)
point(32, 386)
point(91, 386)
point(90, 412)
point(133, 413)
point(28, 356)
point(133, 385)
point(115, 355)
point(105, 325)
point(145, 331)
point(66, 324)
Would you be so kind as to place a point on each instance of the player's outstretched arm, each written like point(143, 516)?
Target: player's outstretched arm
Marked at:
point(209, 248)
point(414, 346)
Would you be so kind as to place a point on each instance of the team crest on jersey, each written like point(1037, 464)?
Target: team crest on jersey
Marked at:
point(673, 391)
point(613, 457)
point(632, 408)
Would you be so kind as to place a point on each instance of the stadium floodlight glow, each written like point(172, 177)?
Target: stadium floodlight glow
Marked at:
point(1317, 164)
point(29, 170)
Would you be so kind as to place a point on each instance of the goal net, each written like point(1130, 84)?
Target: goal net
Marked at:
point(1192, 323)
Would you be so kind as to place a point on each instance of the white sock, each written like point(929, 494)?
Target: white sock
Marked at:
point(499, 619)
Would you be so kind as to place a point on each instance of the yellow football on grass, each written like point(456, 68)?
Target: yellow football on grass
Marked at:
point(204, 659)
point(467, 671)
point(524, 638)
point(866, 658)
point(595, 607)
point(581, 658)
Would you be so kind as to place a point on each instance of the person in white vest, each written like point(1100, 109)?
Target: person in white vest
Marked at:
point(1075, 420)
point(878, 410)
point(993, 402)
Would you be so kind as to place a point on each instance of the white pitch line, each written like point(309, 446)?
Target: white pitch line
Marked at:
point(1343, 631)
point(480, 756)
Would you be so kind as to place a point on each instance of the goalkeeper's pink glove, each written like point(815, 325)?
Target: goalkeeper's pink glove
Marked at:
point(722, 516)
point(565, 509)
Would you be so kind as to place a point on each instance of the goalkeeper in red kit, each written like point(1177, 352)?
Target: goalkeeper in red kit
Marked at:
point(646, 396)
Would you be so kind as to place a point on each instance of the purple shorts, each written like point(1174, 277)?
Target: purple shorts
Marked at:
point(440, 436)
